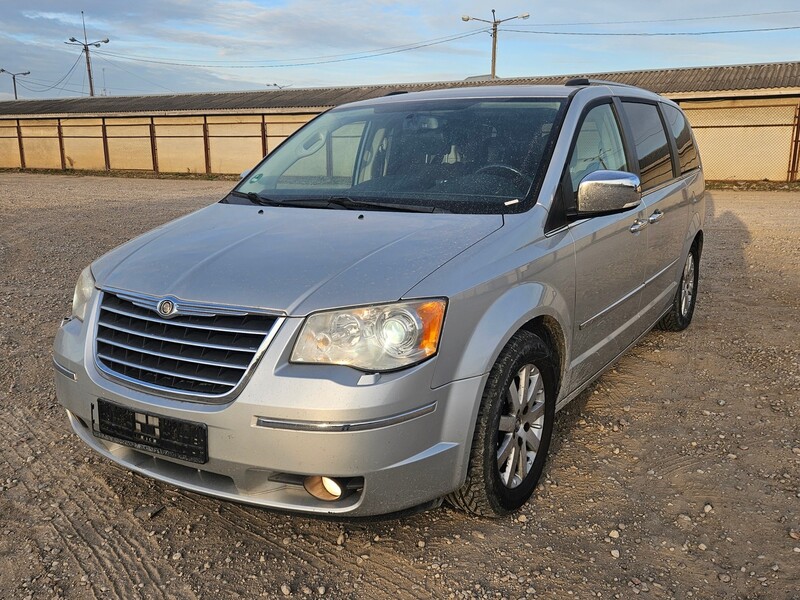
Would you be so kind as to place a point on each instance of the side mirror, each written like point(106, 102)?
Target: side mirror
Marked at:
point(608, 191)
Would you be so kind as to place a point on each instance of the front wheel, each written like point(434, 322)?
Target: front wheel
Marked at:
point(682, 309)
point(513, 430)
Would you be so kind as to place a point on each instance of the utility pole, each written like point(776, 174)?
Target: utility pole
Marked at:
point(14, 79)
point(86, 43)
point(494, 23)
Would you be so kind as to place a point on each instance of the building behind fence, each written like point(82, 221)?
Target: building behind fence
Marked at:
point(746, 119)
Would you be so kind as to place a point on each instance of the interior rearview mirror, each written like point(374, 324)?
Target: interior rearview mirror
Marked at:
point(608, 191)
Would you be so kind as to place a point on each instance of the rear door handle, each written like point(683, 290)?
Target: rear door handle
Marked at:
point(638, 225)
point(655, 217)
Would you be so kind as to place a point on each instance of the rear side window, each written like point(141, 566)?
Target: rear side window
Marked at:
point(650, 141)
point(679, 126)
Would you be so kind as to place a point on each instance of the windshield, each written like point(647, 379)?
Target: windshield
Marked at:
point(477, 156)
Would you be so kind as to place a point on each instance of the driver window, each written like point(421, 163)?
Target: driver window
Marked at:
point(599, 146)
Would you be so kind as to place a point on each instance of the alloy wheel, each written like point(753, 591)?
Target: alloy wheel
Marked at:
point(520, 429)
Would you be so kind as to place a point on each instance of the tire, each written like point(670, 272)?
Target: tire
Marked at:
point(682, 309)
point(493, 486)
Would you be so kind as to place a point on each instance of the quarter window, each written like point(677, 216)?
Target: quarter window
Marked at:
point(650, 141)
point(679, 126)
point(599, 146)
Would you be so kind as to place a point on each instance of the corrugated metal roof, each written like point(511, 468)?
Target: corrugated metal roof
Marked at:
point(662, 81)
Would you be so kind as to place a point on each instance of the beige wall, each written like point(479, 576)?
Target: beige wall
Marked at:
point(743, 139)
point(129, 143)
point(9, 145)
point(83, 144)
point(40, 141)
point(235, 142)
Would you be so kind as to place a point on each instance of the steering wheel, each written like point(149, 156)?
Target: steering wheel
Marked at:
point(504, 170)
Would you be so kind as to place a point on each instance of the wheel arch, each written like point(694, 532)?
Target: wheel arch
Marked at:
point(698, 240)
point(549, 329)
point(535, 307)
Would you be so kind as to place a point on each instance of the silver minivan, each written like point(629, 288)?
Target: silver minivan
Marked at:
point(390, 309)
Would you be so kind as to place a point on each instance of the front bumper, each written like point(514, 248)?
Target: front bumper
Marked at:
point(410, 443)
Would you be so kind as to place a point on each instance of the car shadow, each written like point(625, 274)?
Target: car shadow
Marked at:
point(723, 280)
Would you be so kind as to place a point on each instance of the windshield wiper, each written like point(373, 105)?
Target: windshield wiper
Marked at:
point(255, 198)
point(344, 202)
point(265, 201)
point(352, 204)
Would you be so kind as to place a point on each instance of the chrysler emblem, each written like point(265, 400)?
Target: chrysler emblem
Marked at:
point(166, 308)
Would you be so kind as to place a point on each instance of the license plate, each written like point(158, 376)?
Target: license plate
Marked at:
point(146, 431)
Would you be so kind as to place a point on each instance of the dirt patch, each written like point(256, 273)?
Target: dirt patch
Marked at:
point(754, 186)
point(676, 475)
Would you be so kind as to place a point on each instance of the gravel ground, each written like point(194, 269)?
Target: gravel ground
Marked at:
point(677, 475)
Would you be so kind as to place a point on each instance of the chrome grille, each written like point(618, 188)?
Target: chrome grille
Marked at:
point(205, 353)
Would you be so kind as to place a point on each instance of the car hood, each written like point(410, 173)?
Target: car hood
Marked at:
point(293, 260)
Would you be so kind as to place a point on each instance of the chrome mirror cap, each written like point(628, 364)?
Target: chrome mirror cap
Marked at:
point(608, 191)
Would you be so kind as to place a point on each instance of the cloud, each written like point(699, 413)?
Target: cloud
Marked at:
point(243, 31)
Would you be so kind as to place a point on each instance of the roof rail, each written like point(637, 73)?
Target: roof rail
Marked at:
point(396, 93)
point(578, 81)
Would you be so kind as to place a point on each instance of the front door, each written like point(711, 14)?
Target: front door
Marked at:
point(609, 256)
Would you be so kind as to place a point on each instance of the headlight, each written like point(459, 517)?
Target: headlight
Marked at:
point(372, 338)
point(83, 292)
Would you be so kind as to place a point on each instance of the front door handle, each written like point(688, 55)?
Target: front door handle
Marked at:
point(638, 225)
point(656, 216)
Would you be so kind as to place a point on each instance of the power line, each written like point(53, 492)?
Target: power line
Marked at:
point(287, 63)
point(65, 88)
point(83, 82)
point(73, 89)
point(47, 89)
point(677, 20)
point(221, 63)
point(114, 64)
point(651, 34)
point(385, 52)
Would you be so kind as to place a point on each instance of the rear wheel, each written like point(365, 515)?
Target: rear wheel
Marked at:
point(513, 430)
point(682, 309)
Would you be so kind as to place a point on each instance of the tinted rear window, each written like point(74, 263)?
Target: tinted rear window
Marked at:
point(652, 149)
point(679, 126)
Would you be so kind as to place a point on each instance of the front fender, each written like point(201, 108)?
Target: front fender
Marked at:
point(469, 352)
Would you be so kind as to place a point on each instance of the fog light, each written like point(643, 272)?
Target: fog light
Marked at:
point(325, 488)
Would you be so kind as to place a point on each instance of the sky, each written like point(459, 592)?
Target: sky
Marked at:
point(179, 46)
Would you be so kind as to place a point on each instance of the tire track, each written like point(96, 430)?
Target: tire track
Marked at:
point(118, 548)
point(669, 467)
point(386, 573)
point(64, 523)
point(404, 575)
point(320, 562)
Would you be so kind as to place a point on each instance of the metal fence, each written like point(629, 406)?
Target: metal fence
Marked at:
point(178, 144)
point(747, 142)
point(747, 139)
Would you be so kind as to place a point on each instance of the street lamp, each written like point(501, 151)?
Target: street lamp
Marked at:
point(494, 23)
point(14, 79)
point(86, 43)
